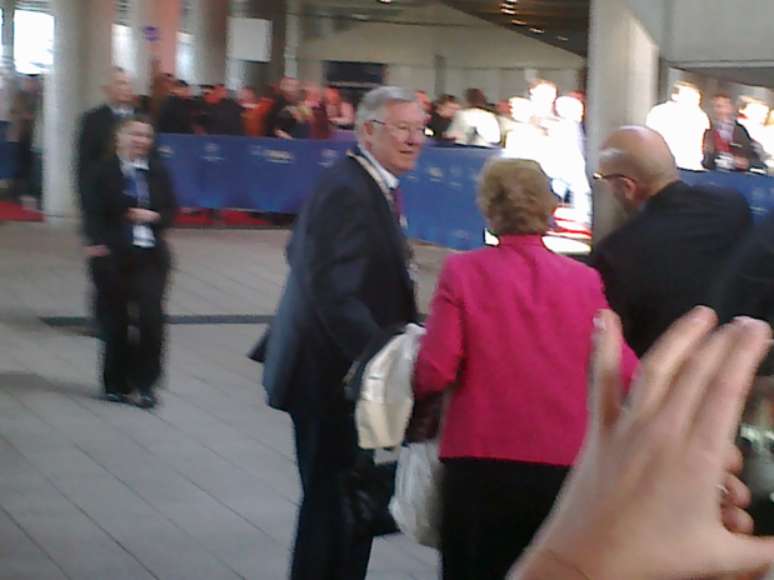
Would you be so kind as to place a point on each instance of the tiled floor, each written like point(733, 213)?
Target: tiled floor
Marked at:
point(202, 488)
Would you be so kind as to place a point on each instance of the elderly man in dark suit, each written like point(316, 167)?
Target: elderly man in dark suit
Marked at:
point(668, 256)
point(95, 145)
point(348, 282)
point(95, 142)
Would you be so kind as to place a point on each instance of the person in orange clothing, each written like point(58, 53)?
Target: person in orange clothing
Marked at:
point(256, 111)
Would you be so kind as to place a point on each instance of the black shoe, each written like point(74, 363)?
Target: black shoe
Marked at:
point(147, 401)
point(116, 398)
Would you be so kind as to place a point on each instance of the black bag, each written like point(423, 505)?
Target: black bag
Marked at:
point(368, 489)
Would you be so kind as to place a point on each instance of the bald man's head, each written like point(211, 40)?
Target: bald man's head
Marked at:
point(637, 162)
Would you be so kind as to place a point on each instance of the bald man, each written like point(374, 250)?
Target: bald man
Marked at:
point(95, 141)
point(665, 259)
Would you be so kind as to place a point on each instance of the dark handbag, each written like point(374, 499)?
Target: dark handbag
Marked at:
point(367, 491)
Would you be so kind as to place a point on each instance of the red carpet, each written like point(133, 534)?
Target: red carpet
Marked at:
point(232, 217)
point(193, 219)
point(14, 212)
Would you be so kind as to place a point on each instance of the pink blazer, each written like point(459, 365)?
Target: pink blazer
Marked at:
point(510, 327)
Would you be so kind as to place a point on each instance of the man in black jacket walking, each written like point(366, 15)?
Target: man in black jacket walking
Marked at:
point(348, 282)
point(667, 257)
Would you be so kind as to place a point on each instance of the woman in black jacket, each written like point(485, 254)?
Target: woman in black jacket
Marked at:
point(128, 206)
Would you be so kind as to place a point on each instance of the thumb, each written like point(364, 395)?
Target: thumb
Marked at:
point(746, 554)
point(605, 371)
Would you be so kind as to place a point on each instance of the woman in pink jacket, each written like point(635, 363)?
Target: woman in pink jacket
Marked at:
point(509, 336)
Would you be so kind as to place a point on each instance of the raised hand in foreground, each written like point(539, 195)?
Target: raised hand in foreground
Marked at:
point(645, 499)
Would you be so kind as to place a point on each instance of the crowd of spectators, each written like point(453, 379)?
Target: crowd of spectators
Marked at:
point(734, 136)
point(289, 110)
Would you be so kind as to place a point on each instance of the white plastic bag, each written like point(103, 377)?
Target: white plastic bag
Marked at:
point(416, 505)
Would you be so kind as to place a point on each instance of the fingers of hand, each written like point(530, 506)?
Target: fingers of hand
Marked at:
point(699, 370)
point(737, 520)
point(734, 460)
point(664, 360)
point(747, 554)
point(737, 494)
point(717, 416)
point(606, 370)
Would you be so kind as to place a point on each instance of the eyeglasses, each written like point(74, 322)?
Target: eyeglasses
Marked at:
point(608, 176)
point(403, 131)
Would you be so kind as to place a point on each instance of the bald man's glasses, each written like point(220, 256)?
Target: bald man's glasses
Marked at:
point(609, 176)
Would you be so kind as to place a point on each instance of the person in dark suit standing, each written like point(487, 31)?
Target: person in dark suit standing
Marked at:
point(225, 114)
point(95, 145)
point(665, 259)
point(97, 128)
point(128, 205)
point(177, 111)
point(349, 281)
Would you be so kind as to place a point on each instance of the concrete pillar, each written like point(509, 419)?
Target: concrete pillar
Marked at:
point(209, 19)
point(9, 8)
point(285, 18)
point(96, 51)
point(160, 45)
point(82, 56)
point(168, 16)
point(622, 85)
point(291, 41)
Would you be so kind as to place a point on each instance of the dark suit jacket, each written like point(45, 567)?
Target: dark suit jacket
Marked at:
point(106, 205)
point(665, 260)
point(348, 282)
point(742, 145)
point(176, 116)
point(226, 118)
point(95, 144)
point(746, 287)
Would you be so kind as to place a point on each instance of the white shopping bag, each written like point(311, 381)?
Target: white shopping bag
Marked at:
point(416, 505)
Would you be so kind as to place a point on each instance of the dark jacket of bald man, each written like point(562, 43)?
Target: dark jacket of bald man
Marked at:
point(666, 259)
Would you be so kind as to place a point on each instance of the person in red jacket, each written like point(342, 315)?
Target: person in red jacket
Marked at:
point(509, 337)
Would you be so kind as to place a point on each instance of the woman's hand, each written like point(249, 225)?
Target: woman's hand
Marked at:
point(138, 215)
point(652, 496)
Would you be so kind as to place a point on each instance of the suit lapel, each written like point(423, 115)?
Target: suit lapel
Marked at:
point(389, 225)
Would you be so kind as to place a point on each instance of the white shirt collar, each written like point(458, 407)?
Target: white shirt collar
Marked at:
point(121, 110)
point(389, 179)
point(129, 167)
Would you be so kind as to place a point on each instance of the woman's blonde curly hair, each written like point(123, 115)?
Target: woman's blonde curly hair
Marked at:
point(515, 197)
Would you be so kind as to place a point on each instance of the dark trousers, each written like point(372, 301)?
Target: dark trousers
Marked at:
point(129, 305)
point(325, 549)
point(490, 512)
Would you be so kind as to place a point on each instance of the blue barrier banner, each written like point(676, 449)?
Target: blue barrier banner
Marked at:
point(440, 197)
point(757, 189)
point(277, 176)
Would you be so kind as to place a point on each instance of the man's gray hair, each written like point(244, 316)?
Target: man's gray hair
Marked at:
point(372, 106)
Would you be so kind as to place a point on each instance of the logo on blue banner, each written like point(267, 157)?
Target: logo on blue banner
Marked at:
point(212, 153)
point(279, 156)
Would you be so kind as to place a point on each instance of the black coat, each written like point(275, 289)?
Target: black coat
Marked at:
point(107, 203)
point(746, 287)
point(666, 259)
point(226, 118)
point(176, 116)
point(348, 282)
point(95, 144)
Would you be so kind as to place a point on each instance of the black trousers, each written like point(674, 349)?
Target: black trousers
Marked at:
point(490, 512)
point(325, 549)
point(129, 304)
